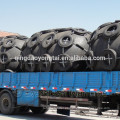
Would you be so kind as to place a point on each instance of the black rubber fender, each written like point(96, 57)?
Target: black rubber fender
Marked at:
point(20, 44)
point(12, 36)
point(62, 30)
point(48, 41)
point(33, 41)
point(9, 70)
point(112, 56)
point(90, 62)
point(93, 38)
point(30, 64)
point(79, 30)
point(105, 24)
point(4, 58)
point(2, 67)
point(112, 30)
point(26, 52)
point(8, 42)
point(45, 65)
point(117, 21)
point(22, 37)
point(63, 64)
point(46, 31)
point(65, 41)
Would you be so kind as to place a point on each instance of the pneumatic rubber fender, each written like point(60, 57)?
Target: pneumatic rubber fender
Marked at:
point(48, 41)
point(30, 65)
point(45, 65)
point(57, 42)
point(111, 57)
point(106, 40)
point(10, 49)
point(33, 41)
point(112, 30)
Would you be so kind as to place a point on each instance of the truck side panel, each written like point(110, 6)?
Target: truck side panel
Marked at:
point(106, 82)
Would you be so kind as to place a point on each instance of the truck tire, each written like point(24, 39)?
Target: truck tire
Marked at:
point(62, 30)
point(39, 110)
point(48, 41)
point(65, 41)
point(8, 43)
point(112, 30)
point(105, 24)
point(22, 37)
point(33, 41)
point(8, 70)
point(11, 36)
point(45, 31)
point(7, 104)
point(80, 31)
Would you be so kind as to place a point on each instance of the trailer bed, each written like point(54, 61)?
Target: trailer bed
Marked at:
point(104, 82)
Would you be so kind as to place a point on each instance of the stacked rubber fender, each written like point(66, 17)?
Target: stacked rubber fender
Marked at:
point(11, 47)
point(105, 41)
point(64, 42)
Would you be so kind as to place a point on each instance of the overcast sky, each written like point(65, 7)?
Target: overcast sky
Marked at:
point(29, 16)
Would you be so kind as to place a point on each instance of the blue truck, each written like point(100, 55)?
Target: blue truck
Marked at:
point(38, 90)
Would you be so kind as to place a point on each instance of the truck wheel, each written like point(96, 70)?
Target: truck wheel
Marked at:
point(7, 106)
point(39, 110)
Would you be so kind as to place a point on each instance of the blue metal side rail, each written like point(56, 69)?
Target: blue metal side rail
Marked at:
point(106, 82)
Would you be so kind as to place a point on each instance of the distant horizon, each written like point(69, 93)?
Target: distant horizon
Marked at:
point(29, 16)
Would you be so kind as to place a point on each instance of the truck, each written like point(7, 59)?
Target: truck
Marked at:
point(37, 91)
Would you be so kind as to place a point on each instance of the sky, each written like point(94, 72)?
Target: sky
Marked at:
point(27, 17)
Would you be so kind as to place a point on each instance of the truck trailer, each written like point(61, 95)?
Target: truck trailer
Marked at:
point(36, 91)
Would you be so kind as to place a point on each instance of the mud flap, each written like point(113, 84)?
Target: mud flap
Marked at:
point(63, 111)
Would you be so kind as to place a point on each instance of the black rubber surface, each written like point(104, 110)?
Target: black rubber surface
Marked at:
point(105, 41)
point(54, 43)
